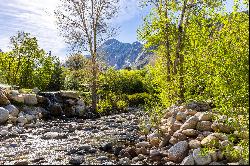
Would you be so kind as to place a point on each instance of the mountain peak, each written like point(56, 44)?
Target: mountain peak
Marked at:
point(111, 41)
point(120, 55)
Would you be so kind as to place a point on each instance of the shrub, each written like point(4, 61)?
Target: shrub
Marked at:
point(122, 88)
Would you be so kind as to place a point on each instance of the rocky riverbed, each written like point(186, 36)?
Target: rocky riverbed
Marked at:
point(57, 128)
point(71, 141)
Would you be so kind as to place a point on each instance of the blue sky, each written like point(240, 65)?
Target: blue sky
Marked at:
point(36, 17)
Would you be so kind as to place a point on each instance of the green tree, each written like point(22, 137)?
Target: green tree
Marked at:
point(27, 65)
point(85, 25)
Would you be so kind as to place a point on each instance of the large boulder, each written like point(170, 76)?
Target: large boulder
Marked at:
point(204, 126)
point(190, 132)
point(69, 111)
point(69, 94)
point(3, 99)
point(189, 160)
point(56, 110)
point(205, 116)
point(201, 159)
point(30, 99)
point(194, 144)
point(22, 120)
point(190, 123)
point(210, 141)
point(17, 98)
point(4, 115)
point(12, 110)
point(181, 116)
point(80, 110)
point(178, 152)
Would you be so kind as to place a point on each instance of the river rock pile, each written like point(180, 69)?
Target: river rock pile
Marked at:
point(186, 130)
point(23, 109)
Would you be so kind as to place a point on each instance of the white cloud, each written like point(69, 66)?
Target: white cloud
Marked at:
point(37, 18)
point(128, 10)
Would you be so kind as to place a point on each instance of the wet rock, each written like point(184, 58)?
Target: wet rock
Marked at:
point(70, 102)
point(108, 163)
point(189, 160)
point(80, 110)
point(69, 112)
point(201, 159)
point(29, 118)
point(4, 115)
point(12, 110)
point(117, 150)
point(76, 160)
point(107, 147)
point(204, 126)
point(56, 110)
point(92, 150)
point(177, 152)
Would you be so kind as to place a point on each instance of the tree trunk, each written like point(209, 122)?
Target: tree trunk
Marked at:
point(94, 83)
point(179, 56)
point(168, 47)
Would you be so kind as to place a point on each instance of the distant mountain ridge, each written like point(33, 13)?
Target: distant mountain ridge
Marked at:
point(121, 55)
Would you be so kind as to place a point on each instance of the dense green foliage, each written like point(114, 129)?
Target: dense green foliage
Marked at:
point(28, 66)
point(202, 54)
point(77, 73)
point(122, 88)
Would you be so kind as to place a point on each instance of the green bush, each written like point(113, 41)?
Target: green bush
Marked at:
point(138, 99)
point(122, 88)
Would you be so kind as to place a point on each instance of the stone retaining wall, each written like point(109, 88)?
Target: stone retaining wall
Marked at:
point(19, 108)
